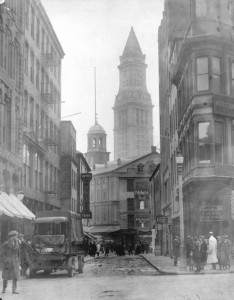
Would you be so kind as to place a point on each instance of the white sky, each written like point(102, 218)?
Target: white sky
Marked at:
point(93, 33)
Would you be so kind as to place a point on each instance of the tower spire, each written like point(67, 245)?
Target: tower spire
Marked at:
point(95, 97)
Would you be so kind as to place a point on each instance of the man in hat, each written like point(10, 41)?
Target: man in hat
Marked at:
point(212, 251)
point(25, 253)
point(176, 249)
point(10, 259)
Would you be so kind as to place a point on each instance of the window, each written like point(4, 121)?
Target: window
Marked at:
point(219, 142)
point(38, 177)
point(37, 74)
point(202, 74)
point(31, 118)
point(130, 185)
point(94, 143)
point(216, 74)
point(38, 33)
point(32, 66)
point(43, 41)
point(26, 54)
point(142, 205)
point(27, 166)
point(204, 142)
point(1, 42)
point(130, 203)
point(232, 83)
point(25, 108)
point(201, 8)
point(37, 119)
point(26, 13)
point(32, 22)
point(140, 168)
point(7, 124)
point(130, 221)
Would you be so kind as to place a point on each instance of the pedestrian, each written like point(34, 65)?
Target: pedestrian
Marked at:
point(202, 251)
point(224, 253)
point(212, 251)
point(189, 248)
point(10, 259)
point(98, 249)
point(176, 249)
point(25, 254)
point(195, 255)
point(130, 249)
point(106, 250)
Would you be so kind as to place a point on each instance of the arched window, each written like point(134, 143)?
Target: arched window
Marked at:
point(94, 143)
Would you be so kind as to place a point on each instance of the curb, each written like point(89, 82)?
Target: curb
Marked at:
point(164, 272)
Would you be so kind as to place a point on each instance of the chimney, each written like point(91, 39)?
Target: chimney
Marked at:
point(153, 149)
point(119, 162)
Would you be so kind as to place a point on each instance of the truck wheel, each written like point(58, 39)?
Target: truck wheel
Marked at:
point(70, 267)
point(32, 272)
point(81, 264)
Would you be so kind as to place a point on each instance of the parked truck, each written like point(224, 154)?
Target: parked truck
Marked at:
point(57, 243)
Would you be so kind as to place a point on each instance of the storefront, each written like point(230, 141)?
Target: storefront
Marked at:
point(14, 215)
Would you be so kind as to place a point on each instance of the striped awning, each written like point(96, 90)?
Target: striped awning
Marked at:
point(11, 206)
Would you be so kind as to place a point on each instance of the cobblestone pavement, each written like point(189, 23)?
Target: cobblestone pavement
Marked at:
point(120, 266)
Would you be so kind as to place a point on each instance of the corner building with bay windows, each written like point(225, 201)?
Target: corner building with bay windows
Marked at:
point(196, 71)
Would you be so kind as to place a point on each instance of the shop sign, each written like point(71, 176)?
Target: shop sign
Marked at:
point(161, 219)
point(142, 195)
point(223, 106)
point(86, 176)
point(86, 215)
point(211, 213)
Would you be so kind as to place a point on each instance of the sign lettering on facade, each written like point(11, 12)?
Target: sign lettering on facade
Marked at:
point(86, 213)
point(161, 219)
point(223, 106)
point(211, 213)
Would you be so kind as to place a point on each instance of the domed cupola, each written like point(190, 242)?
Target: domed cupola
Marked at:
point(96, 152)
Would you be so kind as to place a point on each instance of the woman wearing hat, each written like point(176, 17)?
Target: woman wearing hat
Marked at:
point(10, 259)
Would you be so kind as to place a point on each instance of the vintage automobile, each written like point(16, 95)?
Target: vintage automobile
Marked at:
point(57, 243)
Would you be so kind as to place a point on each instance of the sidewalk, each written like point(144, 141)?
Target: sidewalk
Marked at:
point(165, 265)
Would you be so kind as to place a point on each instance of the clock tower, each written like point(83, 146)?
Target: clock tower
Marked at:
point(133, 109)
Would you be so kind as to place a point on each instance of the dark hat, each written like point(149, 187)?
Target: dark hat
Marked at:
point(13, 233)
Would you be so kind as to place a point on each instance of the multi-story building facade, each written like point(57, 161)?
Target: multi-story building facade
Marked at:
point(68, 168)
point(133, 109)
point(120, 198)
point(11, 89)
point(41, 109)
point(196, 117)
point(30, 88)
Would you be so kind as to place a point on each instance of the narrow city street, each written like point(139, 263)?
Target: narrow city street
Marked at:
point(124, 278)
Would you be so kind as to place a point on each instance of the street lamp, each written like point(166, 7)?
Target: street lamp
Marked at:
point(179, 163)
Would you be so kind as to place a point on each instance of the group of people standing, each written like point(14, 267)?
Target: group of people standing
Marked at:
point(200, 252)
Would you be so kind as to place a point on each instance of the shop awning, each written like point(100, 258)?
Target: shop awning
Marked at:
point(103, 229)
point(11, 206)
point(90, 236)
point(23, 208)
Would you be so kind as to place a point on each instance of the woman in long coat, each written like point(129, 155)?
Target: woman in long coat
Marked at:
point(10, 259)
point(212, 251)
point(202, 251)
